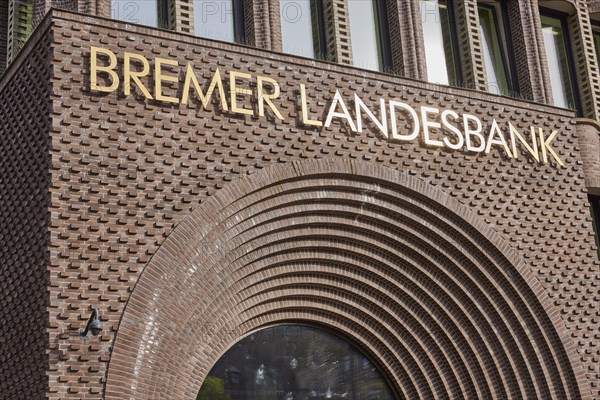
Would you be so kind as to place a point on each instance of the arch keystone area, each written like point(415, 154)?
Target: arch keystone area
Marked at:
point(417, 280)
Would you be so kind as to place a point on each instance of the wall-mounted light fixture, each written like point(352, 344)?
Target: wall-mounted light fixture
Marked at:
point(94, 325)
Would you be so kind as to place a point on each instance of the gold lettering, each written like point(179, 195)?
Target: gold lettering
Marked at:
point(533, 149)
point(305, 119)
point(159, 78)
point(266, 98)
point(460, 139)
point(495, 131)
point(109, 69)
point(427, 123)
point(129, 75)
point(337, 99)
point(546, 148)
point(233, 75)
point(469, 132)
point(190, 77)
point(395, 135)
point(382, 125)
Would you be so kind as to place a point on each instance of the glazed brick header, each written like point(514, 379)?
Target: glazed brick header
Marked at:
point(125, 171)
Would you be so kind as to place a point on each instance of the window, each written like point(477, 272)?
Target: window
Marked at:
point(143, 12)
point(219, 20)
point(559, 61)
point(369, 35)
point(595, 211)
point(303, 28)
point(294, 362)
point(494, 44)
point(440, 42)
point(20, 15)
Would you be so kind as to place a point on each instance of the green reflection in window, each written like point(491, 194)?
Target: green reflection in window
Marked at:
point(495, 66)
point(294, 362)
point(558, 62)
point(437, 35)
point(364, 34)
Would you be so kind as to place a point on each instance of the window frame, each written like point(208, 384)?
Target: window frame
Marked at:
point(383, 35)
point(163, 14)
point(500, 13)
point(562, 17)
point(319, 32)
point(239, 25)
point(454, 43)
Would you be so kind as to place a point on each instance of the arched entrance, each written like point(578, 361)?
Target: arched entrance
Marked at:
point(293, 362)
point(431, 293)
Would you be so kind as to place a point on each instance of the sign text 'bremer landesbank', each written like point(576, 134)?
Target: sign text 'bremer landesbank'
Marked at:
point(405, 123)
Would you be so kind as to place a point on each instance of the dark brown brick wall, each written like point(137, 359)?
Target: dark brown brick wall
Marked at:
point(126, 171)
point(589, 141)
point(3, 34)
point(25, 222)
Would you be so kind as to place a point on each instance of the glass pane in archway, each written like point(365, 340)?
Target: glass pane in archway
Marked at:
point(294, 362)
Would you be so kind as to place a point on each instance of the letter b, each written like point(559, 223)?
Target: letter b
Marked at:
point(109, 69)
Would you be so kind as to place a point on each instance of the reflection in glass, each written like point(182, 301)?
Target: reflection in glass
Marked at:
point(144, 12)
point(495, 67)
point(214, 19)
point(558, 62)
point(364, 34)
point(299, 27)
point(439, 54)
point(294, 362)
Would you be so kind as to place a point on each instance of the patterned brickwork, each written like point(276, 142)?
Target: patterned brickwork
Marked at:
point(337, 30)
point(258, 17)
point(533, 82)
point(3, 34)
point(181, 16)
point(127, 171)
point(363, 249)
point(41, 7)
point(406, 38)
point(469, 43)
point(250, 27)
point(589, 141)
point(24, 222)
point(588, 70)
point(275, 25)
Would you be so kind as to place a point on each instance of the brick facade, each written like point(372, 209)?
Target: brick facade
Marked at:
point(473, 275)
point(25, 221)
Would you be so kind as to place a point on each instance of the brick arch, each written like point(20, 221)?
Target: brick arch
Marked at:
point(439, 301)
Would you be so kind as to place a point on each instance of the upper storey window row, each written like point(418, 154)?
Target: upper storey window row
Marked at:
point(442, 47)
point(559, 59)
point(213, 19)
point(363, 31)
point(304, 31)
